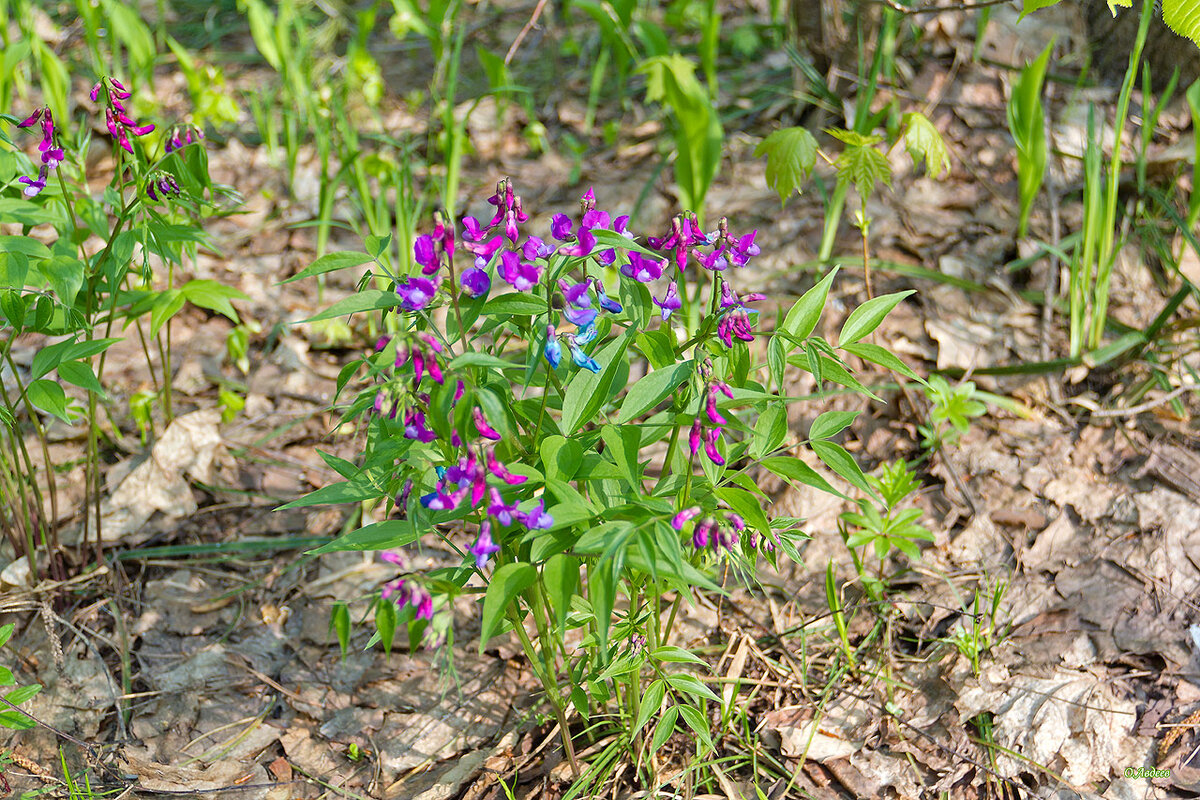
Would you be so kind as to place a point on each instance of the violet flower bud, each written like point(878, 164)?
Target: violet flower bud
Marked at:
point(481, 425)
point(680, 519)
point(484, 546)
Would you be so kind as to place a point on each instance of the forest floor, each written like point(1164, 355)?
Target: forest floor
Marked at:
point(1087, 523)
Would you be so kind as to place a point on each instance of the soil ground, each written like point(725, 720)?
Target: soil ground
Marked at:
point(220, 673)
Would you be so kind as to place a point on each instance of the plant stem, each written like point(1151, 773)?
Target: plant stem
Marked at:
point(550, 687)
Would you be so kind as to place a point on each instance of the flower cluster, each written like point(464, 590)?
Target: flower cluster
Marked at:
point(52, 155)
point(120, 125)
point(181, 136)
point(162, 183)
point(709, 531)
point(710, 435)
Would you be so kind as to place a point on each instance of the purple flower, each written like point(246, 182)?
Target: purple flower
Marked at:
point(736, 521)
point(481, 425)
point(595, 219)
point(499, 509)
point(580, 317)
point(536, 518)
point(418, 359)
point(670, 302)
point(52, 156)
point(684, 235)
point(425, 254)
point(680, 519)
point(484, 250)
point(405, 492)
point(745, 249)
point(500, 471)
point(459, 388)
point(619, 225)
point(703, 533)
point(442, 500)
point(609, 305)
point(561, 227)
point(115, 115)
point(715, 260)
point(415, 427)
point(181, 137)
point(576, 294)
point(643, 269)
point(518, 274)
point(415, 293)
point(405, 592)
point(455, 439)
point(484, 546)
point(534, 247)
point(581, 358)
point(553, 348)
point(474, 232)
point(380, 398)
point(475, 282)
point(584, 243)
point(34, 186)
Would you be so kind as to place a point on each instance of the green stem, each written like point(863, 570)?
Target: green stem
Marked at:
point(548, 684)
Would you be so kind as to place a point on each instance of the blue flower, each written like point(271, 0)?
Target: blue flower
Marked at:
point(581, 358)
point(581, 317)
point(586, 334)
point(606, 303)
point(553, 348)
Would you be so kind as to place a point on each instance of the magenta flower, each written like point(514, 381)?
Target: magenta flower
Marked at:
point(736, 521)
point(481, 425)
point(500, 471)
point(518, 274)
point(484, 546)
point(643, 269)
point(415, 427)
point(52, 155)
point(710, 408)
point(459, 389)
point(684, 235)
point(534, 247)
point(162, 184)
point(181, 137)
point(680, 519)
point(561, 227)
point(120, 125)
point(736, 323)
point(671, 302)
point(585, 241)
point(694, 438)
point(710, 446)
point(415, 293)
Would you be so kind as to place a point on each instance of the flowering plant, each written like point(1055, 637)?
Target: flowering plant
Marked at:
point(591, 494)
point(87, 274)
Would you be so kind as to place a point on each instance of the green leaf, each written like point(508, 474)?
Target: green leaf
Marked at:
point(791, 155)
point(830, 424)
point(366, 300)
point(657, 345)
point(652, 389)
point(515, 304)
point(587, 391)
point(1183, 17)
point(330, 262)
point(48, 358)
point(65, 276)
point(14, 269)
point(699, 725)
point(677, 655)
point(49, 397)
point(384, 535)
point(777, 359)
point(602, 593)
point(560, 575)
point(385, 623)
point(26, 246)
point(80, 374)
point(770, 430)
point(925, 142)
point(666, 726)
point(561, 457)
point(796, 470)
point(339, 622)
point(837, 459)
point(166, 305)
point(623, 443)
point(802, 318)
point(480, 360)
point(691, 686)
point(861, 162)
point(748, 506)
point(6, 633)
point(884, 358)
point(214, 296)
point(1026, 122)
point(867, 317)
point(507, 582)
point(649, 704)
point(1030, 6)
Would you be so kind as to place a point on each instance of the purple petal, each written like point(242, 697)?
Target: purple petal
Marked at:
point(560, 227)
